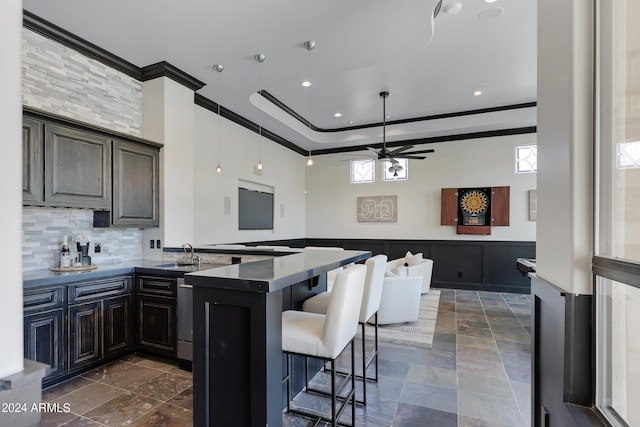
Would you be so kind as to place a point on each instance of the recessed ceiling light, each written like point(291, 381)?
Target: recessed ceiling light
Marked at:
point(479, 90)
point(306, 83)
point(490, 14)
point(489, 1)
point(350, 122)
point(337, 115)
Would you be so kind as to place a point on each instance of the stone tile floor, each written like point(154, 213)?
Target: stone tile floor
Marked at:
point(478, 373)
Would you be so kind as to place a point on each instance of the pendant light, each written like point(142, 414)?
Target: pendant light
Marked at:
point(309, 45)
point(259, 57)
point(218, 69)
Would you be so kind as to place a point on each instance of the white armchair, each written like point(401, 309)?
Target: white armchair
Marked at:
point(422, 268)
point(400, 300)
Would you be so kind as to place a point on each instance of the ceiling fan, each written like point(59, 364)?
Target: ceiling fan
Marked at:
point(398, 153)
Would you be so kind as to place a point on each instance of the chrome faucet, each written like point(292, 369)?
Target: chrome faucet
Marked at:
point(191, 258)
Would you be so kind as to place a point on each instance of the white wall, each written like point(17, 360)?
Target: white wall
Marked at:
point(565, 148)
point(168, 118)
point(331, 198)
point(239, 151)
point(11, 189)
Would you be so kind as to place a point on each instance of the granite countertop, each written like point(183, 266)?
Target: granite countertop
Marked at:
point(40, 278)
point(273, 274)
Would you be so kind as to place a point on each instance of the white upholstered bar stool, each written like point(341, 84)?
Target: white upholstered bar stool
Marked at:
point(369, 308)
point(326, 336)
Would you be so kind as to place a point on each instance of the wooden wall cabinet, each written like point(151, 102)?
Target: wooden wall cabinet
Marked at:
point(77, 168)
point(32, 161)
point(135, 185)
point(157, 308)
point(68, 164)
point(450, 213)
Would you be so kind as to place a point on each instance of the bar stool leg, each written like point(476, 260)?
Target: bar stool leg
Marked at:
point(364, 367)
point(353, 383)
point(334, 419)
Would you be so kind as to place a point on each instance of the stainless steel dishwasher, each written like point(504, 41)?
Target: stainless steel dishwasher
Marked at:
point(185, 321)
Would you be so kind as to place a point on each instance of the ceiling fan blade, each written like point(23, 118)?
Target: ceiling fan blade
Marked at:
point(421, 152)
point(400, 150)
point(412, 157)
point(374, 150)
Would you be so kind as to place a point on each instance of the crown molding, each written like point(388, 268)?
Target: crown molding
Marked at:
point(284, 107)
point(165, 69)
point(431, 140)
point(62, 36)
point(212, 106)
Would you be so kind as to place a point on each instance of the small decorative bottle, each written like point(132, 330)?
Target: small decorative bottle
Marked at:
point(65, 255)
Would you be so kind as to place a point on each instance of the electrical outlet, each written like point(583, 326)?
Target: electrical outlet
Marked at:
point(97, 248)
point(151, 244)
point(158, 244)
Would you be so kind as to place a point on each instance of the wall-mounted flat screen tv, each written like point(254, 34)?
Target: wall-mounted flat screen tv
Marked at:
point(255, 210)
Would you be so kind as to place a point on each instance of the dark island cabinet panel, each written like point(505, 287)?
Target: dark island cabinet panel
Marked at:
point(135, 185)
point(84, 335)
point(32, 162)
point(44, 341)
point(77, 168)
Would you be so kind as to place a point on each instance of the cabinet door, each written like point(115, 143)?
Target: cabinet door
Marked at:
point(500, 205)
point(118, 325)
point(32, 162)
point(43, 340)
point(84, 335)
point(449, 206)
point(77, 168)
point(135, 185)
point(157, 325)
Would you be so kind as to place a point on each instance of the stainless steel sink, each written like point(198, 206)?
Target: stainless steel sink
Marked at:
point(172, 265)
point(184, 266)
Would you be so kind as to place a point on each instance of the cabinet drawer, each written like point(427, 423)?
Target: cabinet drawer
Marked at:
point(99, 289)
point(154, 285)
point(43, 299)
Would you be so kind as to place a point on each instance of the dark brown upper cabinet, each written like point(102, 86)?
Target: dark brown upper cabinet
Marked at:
point(135, 185)
point(32, 161)
point(492, 201)
point(77, 168)
point(71, 164)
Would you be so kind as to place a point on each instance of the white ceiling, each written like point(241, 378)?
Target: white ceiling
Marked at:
point(363, 47)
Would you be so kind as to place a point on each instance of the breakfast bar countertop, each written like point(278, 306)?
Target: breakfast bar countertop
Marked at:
point(270, 275)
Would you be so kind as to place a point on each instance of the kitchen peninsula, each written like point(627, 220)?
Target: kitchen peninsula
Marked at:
point(237, 366)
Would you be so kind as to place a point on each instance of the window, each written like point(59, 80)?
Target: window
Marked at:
point(616, 263)
point(363, 171)
point(396, 172)
point(628, 155)
point(526, 158)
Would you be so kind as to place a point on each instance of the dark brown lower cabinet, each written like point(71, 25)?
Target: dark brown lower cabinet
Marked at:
point(156, 306)
point(85, 346)
point(118, 325)
point(43, 340)
point(76, 327)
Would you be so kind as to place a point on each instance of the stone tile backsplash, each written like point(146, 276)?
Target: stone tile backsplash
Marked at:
point(43, 231)
point(60, 80)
